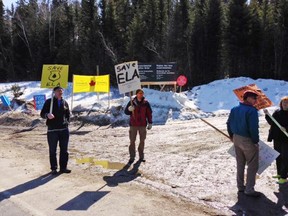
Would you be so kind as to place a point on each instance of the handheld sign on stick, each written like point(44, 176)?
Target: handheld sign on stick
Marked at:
point(127, 75)
point(131, 102)
point(52, 76)
point(51, 104)
point(6, 101)
point(128, 78)
point(278, 125)
point(266, 154)
point(262, 100)
point(39, 101)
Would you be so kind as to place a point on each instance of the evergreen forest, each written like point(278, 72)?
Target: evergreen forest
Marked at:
point(209, 39)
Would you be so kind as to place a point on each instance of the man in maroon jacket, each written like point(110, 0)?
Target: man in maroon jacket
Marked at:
point(140, 114)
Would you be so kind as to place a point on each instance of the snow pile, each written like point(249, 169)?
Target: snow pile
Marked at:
point(218, 95)
point(215, 98)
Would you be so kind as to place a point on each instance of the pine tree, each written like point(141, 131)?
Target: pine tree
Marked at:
point(161, 36)
point(198, 42)
point(179, 37)
point(150, 16)
point(109, 33)
point(22, 42)
point(281, 40)
point(124, 15)
point(135, 49)
point(267, 45)
point(4, 45)
point(214, 41)
point(206, 41)
point(89, 36)
point(236, 38)
point(255, 39)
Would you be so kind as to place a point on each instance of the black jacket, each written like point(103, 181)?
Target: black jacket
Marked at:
point(62, 114)
point(275, 133)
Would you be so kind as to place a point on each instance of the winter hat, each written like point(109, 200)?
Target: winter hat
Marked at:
point(56, 88)
point(139, 90)
point(249, 93)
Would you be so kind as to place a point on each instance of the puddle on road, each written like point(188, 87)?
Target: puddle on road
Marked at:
point(104, 163)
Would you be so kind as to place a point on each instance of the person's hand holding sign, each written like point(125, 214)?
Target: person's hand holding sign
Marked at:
point(50, 116)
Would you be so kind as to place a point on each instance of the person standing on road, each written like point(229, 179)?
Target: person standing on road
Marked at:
point(243, 129)
point(57, 123)
point(140, 114)
point(280, 139)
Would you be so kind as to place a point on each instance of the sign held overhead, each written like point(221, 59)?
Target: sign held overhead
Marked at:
point(127, 75)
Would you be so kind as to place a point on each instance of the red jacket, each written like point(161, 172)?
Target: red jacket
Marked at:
point(142, 113)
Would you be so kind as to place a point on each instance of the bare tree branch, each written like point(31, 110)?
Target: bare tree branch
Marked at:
point(150, 45)
point(111, 53)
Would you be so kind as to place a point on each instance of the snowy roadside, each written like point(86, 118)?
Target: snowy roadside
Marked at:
point(185, 159)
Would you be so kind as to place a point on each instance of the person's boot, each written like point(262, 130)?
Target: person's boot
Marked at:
point(65, 171)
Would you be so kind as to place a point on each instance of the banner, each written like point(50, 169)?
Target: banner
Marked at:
point(39, 101)
point(91, 83)
point(83, 83)
point(127, 75)
point(102, 83)
point(262, 100)
point(6, 102)
point(54, 75)
point(266, 155)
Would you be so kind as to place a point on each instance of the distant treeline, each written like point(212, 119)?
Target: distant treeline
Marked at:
point(209, 39)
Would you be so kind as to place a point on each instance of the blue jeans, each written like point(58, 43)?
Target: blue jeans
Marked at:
point(62, 137)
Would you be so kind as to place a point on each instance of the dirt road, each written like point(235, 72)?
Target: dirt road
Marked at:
point(188, 172)
point(27, 188)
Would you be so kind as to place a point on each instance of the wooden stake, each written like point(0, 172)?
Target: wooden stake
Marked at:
point(51, 104)
point(215, 128)
point(278, 125)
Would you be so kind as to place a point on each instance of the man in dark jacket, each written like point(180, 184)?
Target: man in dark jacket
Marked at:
point(57, 122)
point(243, 128)
point(140, 113)
point(280, 139)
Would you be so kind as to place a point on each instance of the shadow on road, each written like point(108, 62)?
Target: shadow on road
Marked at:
point(83, 201)
point(26, 186)
point(123, 175)
point(86, 199)
point(282, 195)
point(260, 206)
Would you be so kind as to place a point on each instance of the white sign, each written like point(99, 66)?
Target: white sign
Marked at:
point(127, 75)
point(266, 155)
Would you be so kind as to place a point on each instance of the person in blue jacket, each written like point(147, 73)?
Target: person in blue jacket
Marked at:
point(243, 129)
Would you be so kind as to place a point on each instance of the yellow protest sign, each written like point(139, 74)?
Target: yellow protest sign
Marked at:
point(54, 75)
point(91, 83)
point(102, 83)
point(83, 83)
